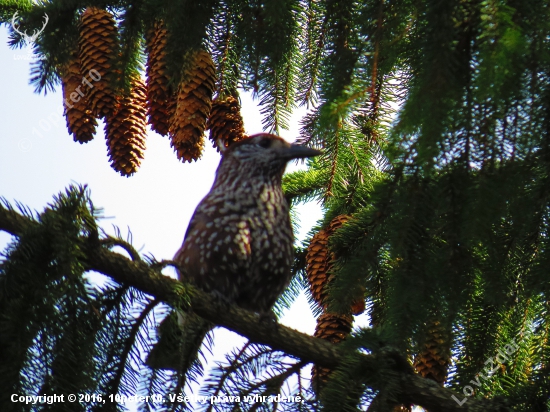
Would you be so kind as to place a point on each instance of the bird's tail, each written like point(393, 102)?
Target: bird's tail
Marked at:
point(181, 336)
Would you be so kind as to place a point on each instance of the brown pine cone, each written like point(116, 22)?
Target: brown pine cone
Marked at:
point(126, 131)
point(97, 46)
point(194, 101)
point(225, 122)
point(334, 328)
point(80, 121)
point(318, 265)
point(158, 94)
point(434, 360)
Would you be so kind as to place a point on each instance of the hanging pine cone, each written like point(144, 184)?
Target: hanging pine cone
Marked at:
point(158, 94)
point(97, 47)
point(337, 223)
point(319, 265)
point(126, 131)
point(433, 361)
point(225, 122)
point(194, 102)
point(80, 122)
point(334, 328)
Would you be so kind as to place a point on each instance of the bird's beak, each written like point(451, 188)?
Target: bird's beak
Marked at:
point(296, 151)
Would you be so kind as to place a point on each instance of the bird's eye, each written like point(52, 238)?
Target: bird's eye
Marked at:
point(265, 143)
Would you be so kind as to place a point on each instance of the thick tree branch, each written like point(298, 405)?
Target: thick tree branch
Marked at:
point(412, 388)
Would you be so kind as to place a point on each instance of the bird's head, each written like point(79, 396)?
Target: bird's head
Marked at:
point(266, 153)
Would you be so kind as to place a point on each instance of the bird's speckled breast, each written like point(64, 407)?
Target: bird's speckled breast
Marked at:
point(272, 253)
point(239, 244)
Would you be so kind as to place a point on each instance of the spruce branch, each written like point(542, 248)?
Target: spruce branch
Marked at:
point(130, 342)
point(412, 388)
point(111, 242)
point(314, 45)
point(276, 382)
point(233, 366)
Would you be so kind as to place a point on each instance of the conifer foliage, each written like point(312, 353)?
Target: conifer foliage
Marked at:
point(434, 121)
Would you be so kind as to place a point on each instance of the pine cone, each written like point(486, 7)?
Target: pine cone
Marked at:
point(194, 102)
point(319, 265)
point(126, 131)
point(97, 47)
point(434, 360)
point(337, 223)
point(158, 94)
point(334, 328)
point(225, 122)
point(80, 122)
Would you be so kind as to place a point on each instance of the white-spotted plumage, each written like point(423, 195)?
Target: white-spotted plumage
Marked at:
point(245, 219)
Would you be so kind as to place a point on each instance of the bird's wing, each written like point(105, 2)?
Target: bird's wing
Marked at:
point(216, 252)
